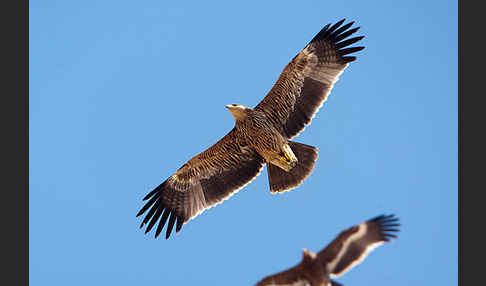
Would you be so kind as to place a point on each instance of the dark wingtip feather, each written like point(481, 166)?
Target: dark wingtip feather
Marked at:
point(147, 206)
point(330, 31)
point(162, 222)
point(349, 42)
point(338, 35)
point(158, 210)
point(321, 32)
point(149, 194)
point(335, 26)
point(388, 225)
point(170, 225)
point(154, 191)
point(154, 219)
point(346, 34)
point(180, 222)
point(140, 212)
point(149, 215)
point(350, 50)
point(349, 59)
point(384, 218)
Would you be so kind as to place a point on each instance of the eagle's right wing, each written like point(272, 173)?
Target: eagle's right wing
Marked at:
point(352, 245)
point(308, 78)
point(203, 182)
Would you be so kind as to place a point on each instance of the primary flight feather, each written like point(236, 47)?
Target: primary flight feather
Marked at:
point(261, 136)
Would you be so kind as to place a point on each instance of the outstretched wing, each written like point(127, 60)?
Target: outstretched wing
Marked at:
point(290, 277)
point(352, 245)
point(306, 81)
point(334, 283)
point(203, 182)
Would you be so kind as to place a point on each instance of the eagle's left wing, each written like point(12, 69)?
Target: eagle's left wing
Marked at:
point(352, 245)
point(290, 277)
point(306, 81)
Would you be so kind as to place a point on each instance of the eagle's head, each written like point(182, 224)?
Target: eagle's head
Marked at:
point(307, 255)
point(238, 111)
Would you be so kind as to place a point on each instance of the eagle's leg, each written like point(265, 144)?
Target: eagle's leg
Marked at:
point(288, 158)
point(284, 158)
point(282, 163)
point(288, 155)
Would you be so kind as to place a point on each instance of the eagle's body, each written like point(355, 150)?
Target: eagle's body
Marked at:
point(261, 136)
point(348, 249)
point(258, 131)
point(309, 272)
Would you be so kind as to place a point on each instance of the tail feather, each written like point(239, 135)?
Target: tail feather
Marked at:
point(281, 181)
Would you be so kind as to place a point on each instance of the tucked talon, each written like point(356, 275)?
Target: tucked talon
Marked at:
point(287, 157)
point(285, 160)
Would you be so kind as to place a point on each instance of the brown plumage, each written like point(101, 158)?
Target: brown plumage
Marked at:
point(261, 136)
point(348, 249)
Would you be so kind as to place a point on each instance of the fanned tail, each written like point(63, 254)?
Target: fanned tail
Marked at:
point(281, 181)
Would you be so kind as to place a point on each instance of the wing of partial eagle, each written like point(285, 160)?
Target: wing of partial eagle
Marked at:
point(203, 182)
point(293, 276)
point(306, 81)
point(352, 245)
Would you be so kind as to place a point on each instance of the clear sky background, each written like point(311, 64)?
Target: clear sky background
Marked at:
point(122, 93)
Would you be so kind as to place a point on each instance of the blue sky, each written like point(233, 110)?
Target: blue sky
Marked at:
point(122, 93)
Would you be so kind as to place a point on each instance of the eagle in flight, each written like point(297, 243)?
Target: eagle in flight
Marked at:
point(348, 249)
point(261, 136)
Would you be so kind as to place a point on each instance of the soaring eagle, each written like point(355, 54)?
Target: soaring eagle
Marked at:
point(349, 248)
point(261, 136)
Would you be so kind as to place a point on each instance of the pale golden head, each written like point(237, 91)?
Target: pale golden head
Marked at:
point(238, 111)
